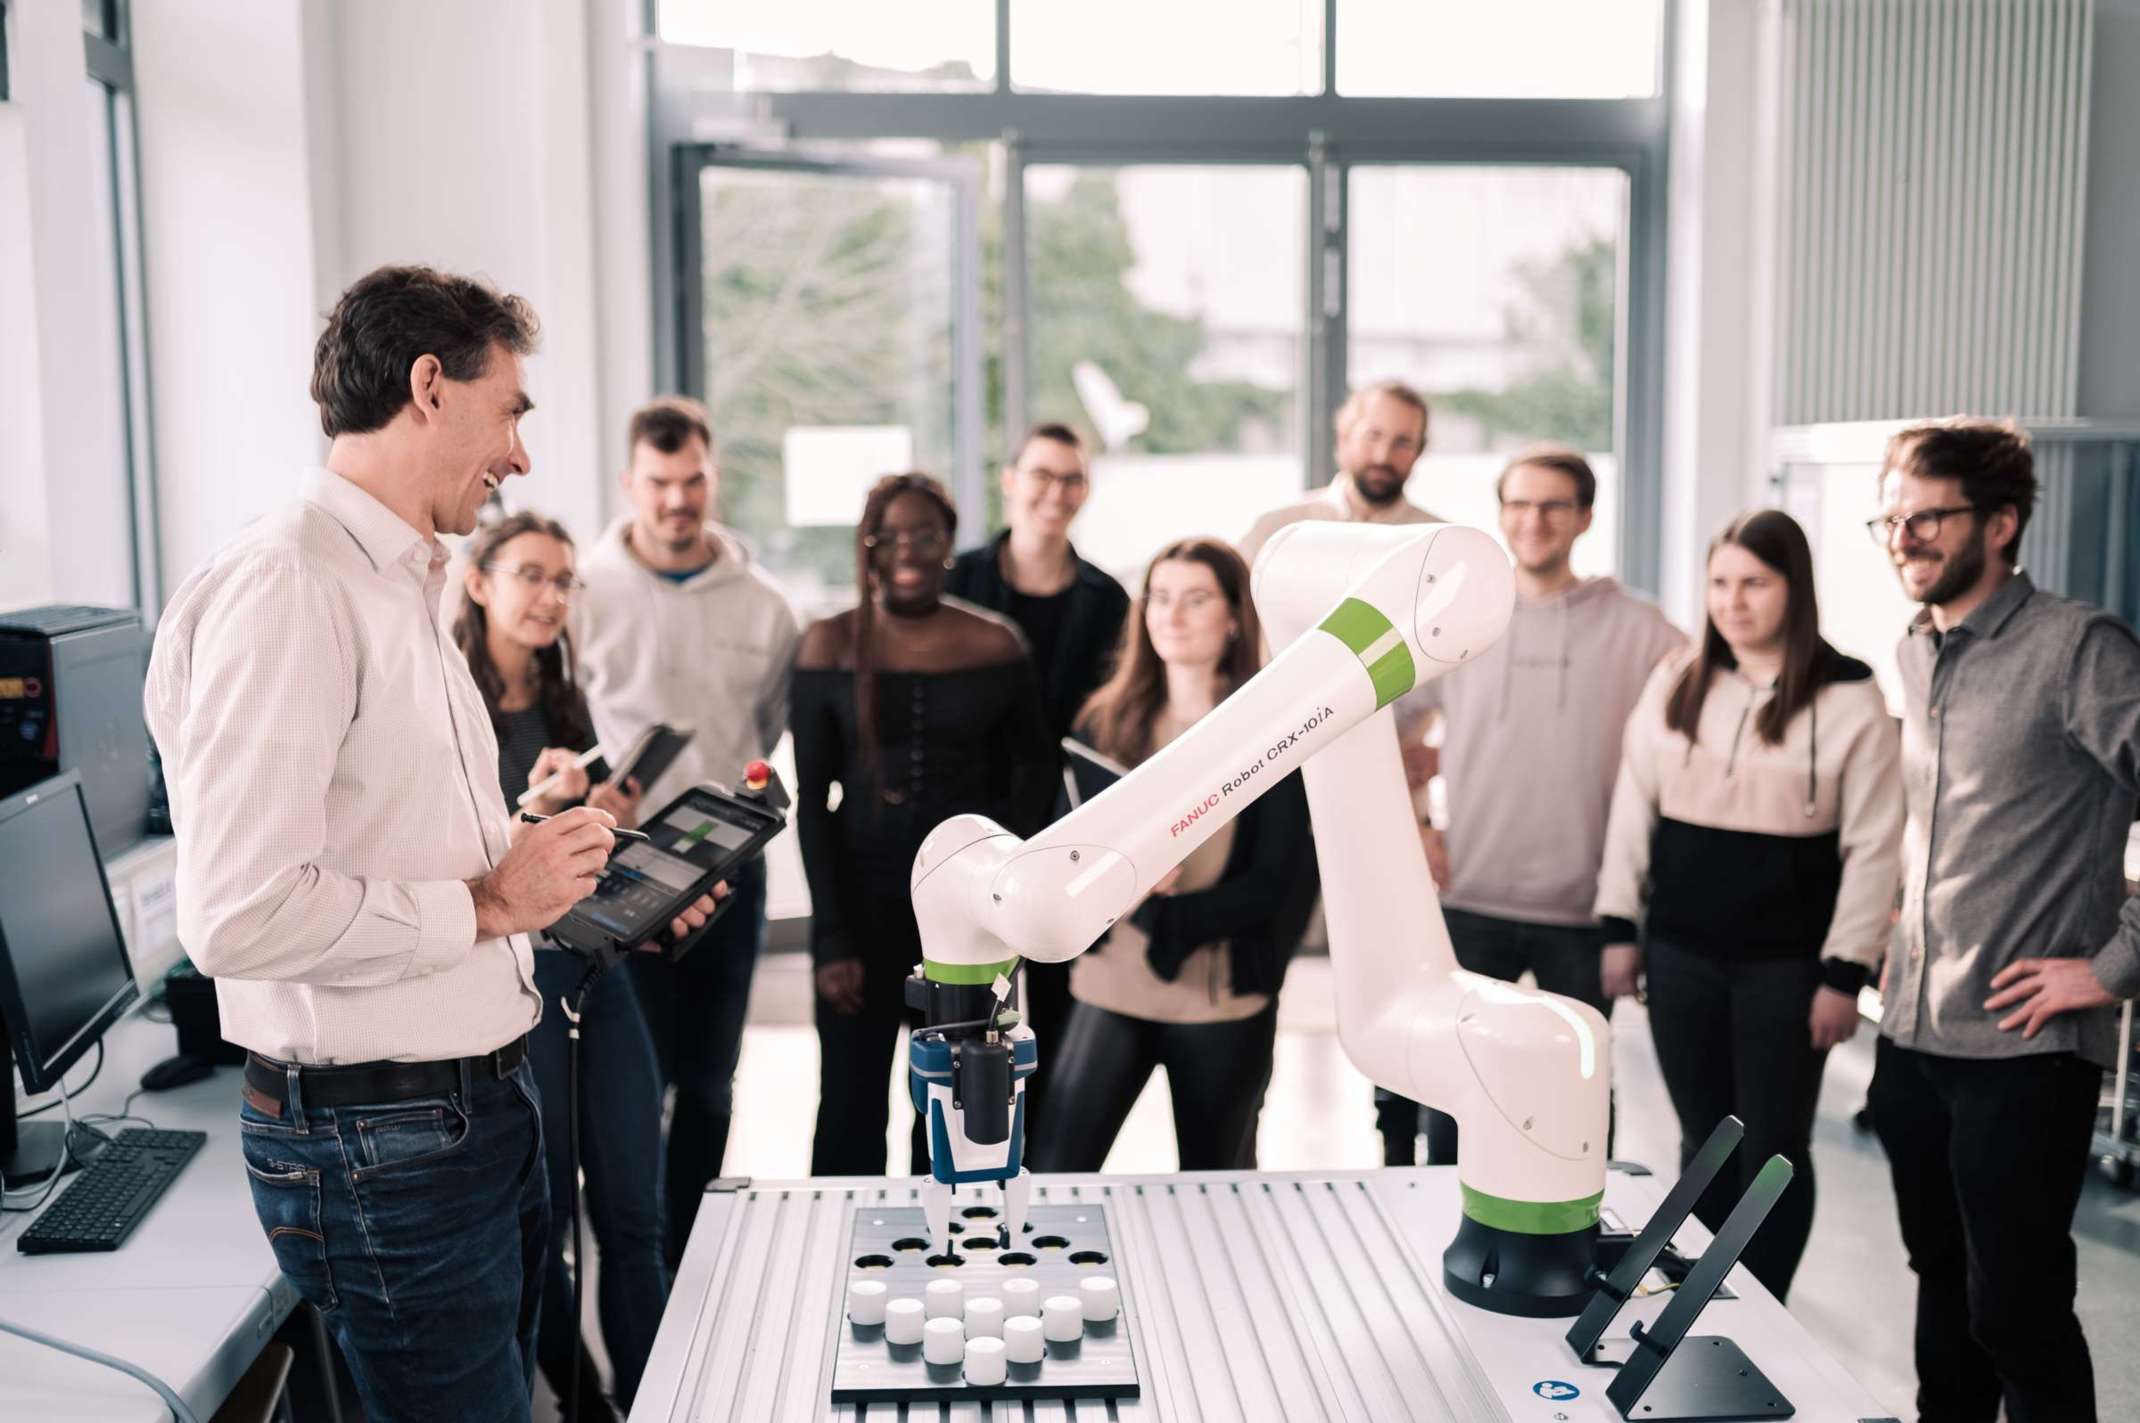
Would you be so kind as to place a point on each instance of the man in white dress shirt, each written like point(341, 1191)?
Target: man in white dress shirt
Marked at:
point(347, 871)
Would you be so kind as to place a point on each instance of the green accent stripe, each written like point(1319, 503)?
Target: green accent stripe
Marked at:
point(1356, 624)
point(1532, 1217)
point(1362, 627)
point(1394, 675)
point(965, 972)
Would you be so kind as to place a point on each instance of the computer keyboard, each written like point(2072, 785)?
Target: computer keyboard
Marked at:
point(104, 1204)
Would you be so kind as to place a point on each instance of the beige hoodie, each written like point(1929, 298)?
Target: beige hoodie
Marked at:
point(1726, 845)
point(713, 653)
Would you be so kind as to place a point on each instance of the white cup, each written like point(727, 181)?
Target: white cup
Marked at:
point(1101, 1298)
point(1022, 1341)
point(943, 1341)
point(985, 1363)
point(1021, 1297)
point(1062, 1318)
point(945, 1298)
point(984, 1318)
point(903, 1319)
point(865, 1301)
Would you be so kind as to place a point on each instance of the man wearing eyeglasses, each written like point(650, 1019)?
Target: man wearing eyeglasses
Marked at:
point(1069, 610)
point(2021, 766)
point(1530, 751)
point(677, 624)
point(1071, 613)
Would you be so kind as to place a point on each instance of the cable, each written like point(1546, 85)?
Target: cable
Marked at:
point(66, 1153)
point(61, 1089)
point(177, 1405)
point(572, 1176)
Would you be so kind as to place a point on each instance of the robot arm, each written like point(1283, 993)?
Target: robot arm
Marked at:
point(1363, 613)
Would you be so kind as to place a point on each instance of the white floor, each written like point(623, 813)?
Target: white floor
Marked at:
point(1854, 1291)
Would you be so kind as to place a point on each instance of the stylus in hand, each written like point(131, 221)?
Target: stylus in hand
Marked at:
point(617, 830)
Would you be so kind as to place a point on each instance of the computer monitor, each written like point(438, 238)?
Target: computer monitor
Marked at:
point(64, 976)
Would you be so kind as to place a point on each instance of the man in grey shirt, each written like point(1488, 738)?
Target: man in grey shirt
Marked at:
point(2021, 768)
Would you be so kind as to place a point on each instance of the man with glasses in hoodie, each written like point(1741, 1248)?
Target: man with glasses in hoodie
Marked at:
point(1530, 749)
point(678, 625)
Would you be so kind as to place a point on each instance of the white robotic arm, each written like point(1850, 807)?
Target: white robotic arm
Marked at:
point(1362, 613)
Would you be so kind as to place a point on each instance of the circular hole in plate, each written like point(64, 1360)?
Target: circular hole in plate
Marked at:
point(1050, 1242)
point(979, 1212)
point(1015, 1258)
point(943, 1262)
point(873, 1262)
point(981, 1242)
point(1088, 1257)
point(956, 1228)
point(910, 1242)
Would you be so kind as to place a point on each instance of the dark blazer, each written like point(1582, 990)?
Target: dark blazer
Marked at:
point(1260, 905)
point(1092, 626)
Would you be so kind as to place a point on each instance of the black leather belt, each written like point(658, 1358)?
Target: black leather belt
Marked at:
point(364, 1083)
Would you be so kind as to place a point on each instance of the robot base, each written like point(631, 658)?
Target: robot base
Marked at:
point(1509, 1272)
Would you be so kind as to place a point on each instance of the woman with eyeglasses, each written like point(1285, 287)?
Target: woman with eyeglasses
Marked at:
point(1189, 980)
point(515, 599)
point(1755, 836)
point(917, 707)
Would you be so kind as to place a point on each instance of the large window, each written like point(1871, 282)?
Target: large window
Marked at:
point(831, 45)
point(1496, 292)
point(1508, 49)
point(1166, 319)
point(1179, 47)
point(1200, 224)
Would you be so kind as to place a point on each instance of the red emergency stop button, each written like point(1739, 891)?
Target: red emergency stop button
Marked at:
point(756, 776)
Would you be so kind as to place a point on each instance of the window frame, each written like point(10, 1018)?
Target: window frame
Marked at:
point(1327, 132)
point(108, 60)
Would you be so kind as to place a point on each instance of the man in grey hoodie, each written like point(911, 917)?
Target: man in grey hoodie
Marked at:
point(1530, 749)
point(677, 625)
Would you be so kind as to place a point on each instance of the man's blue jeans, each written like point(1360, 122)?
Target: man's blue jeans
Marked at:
point(416, 1228)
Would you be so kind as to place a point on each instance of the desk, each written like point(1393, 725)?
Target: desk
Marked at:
point(191, 1296)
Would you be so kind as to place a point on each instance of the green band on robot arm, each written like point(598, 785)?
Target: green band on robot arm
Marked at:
point(966, 972)
point(1377, 643)
point(1531, 1217)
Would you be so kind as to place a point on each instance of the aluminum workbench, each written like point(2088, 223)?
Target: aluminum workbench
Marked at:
point(1246, 1296)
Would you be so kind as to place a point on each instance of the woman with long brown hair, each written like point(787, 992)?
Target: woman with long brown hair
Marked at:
point(515, 600)
point(1755, 835)
point(918, 707)
point(1189, 980)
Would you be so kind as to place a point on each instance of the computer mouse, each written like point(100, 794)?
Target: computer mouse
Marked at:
point(175, 1072)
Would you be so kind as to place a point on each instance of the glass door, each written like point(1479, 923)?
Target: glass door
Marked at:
point(830, 325)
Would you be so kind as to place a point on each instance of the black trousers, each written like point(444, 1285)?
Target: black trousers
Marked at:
point(858, 1070)
point(1216, 1074)
point(1988, 1157)
point(1734, 1039)
point(1563, 959)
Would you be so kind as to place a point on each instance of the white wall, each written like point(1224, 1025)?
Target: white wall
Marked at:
point(227, 192)
point(465, 140)
point(2110, 275)
point(288, 149)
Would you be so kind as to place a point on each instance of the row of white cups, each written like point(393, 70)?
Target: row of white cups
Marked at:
point(985, 1334)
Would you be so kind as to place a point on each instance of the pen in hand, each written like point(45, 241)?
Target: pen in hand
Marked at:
point(617, 830)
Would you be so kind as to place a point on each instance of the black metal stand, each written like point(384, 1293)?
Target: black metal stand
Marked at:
point(1665, 1376)
point(1619, 1286)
